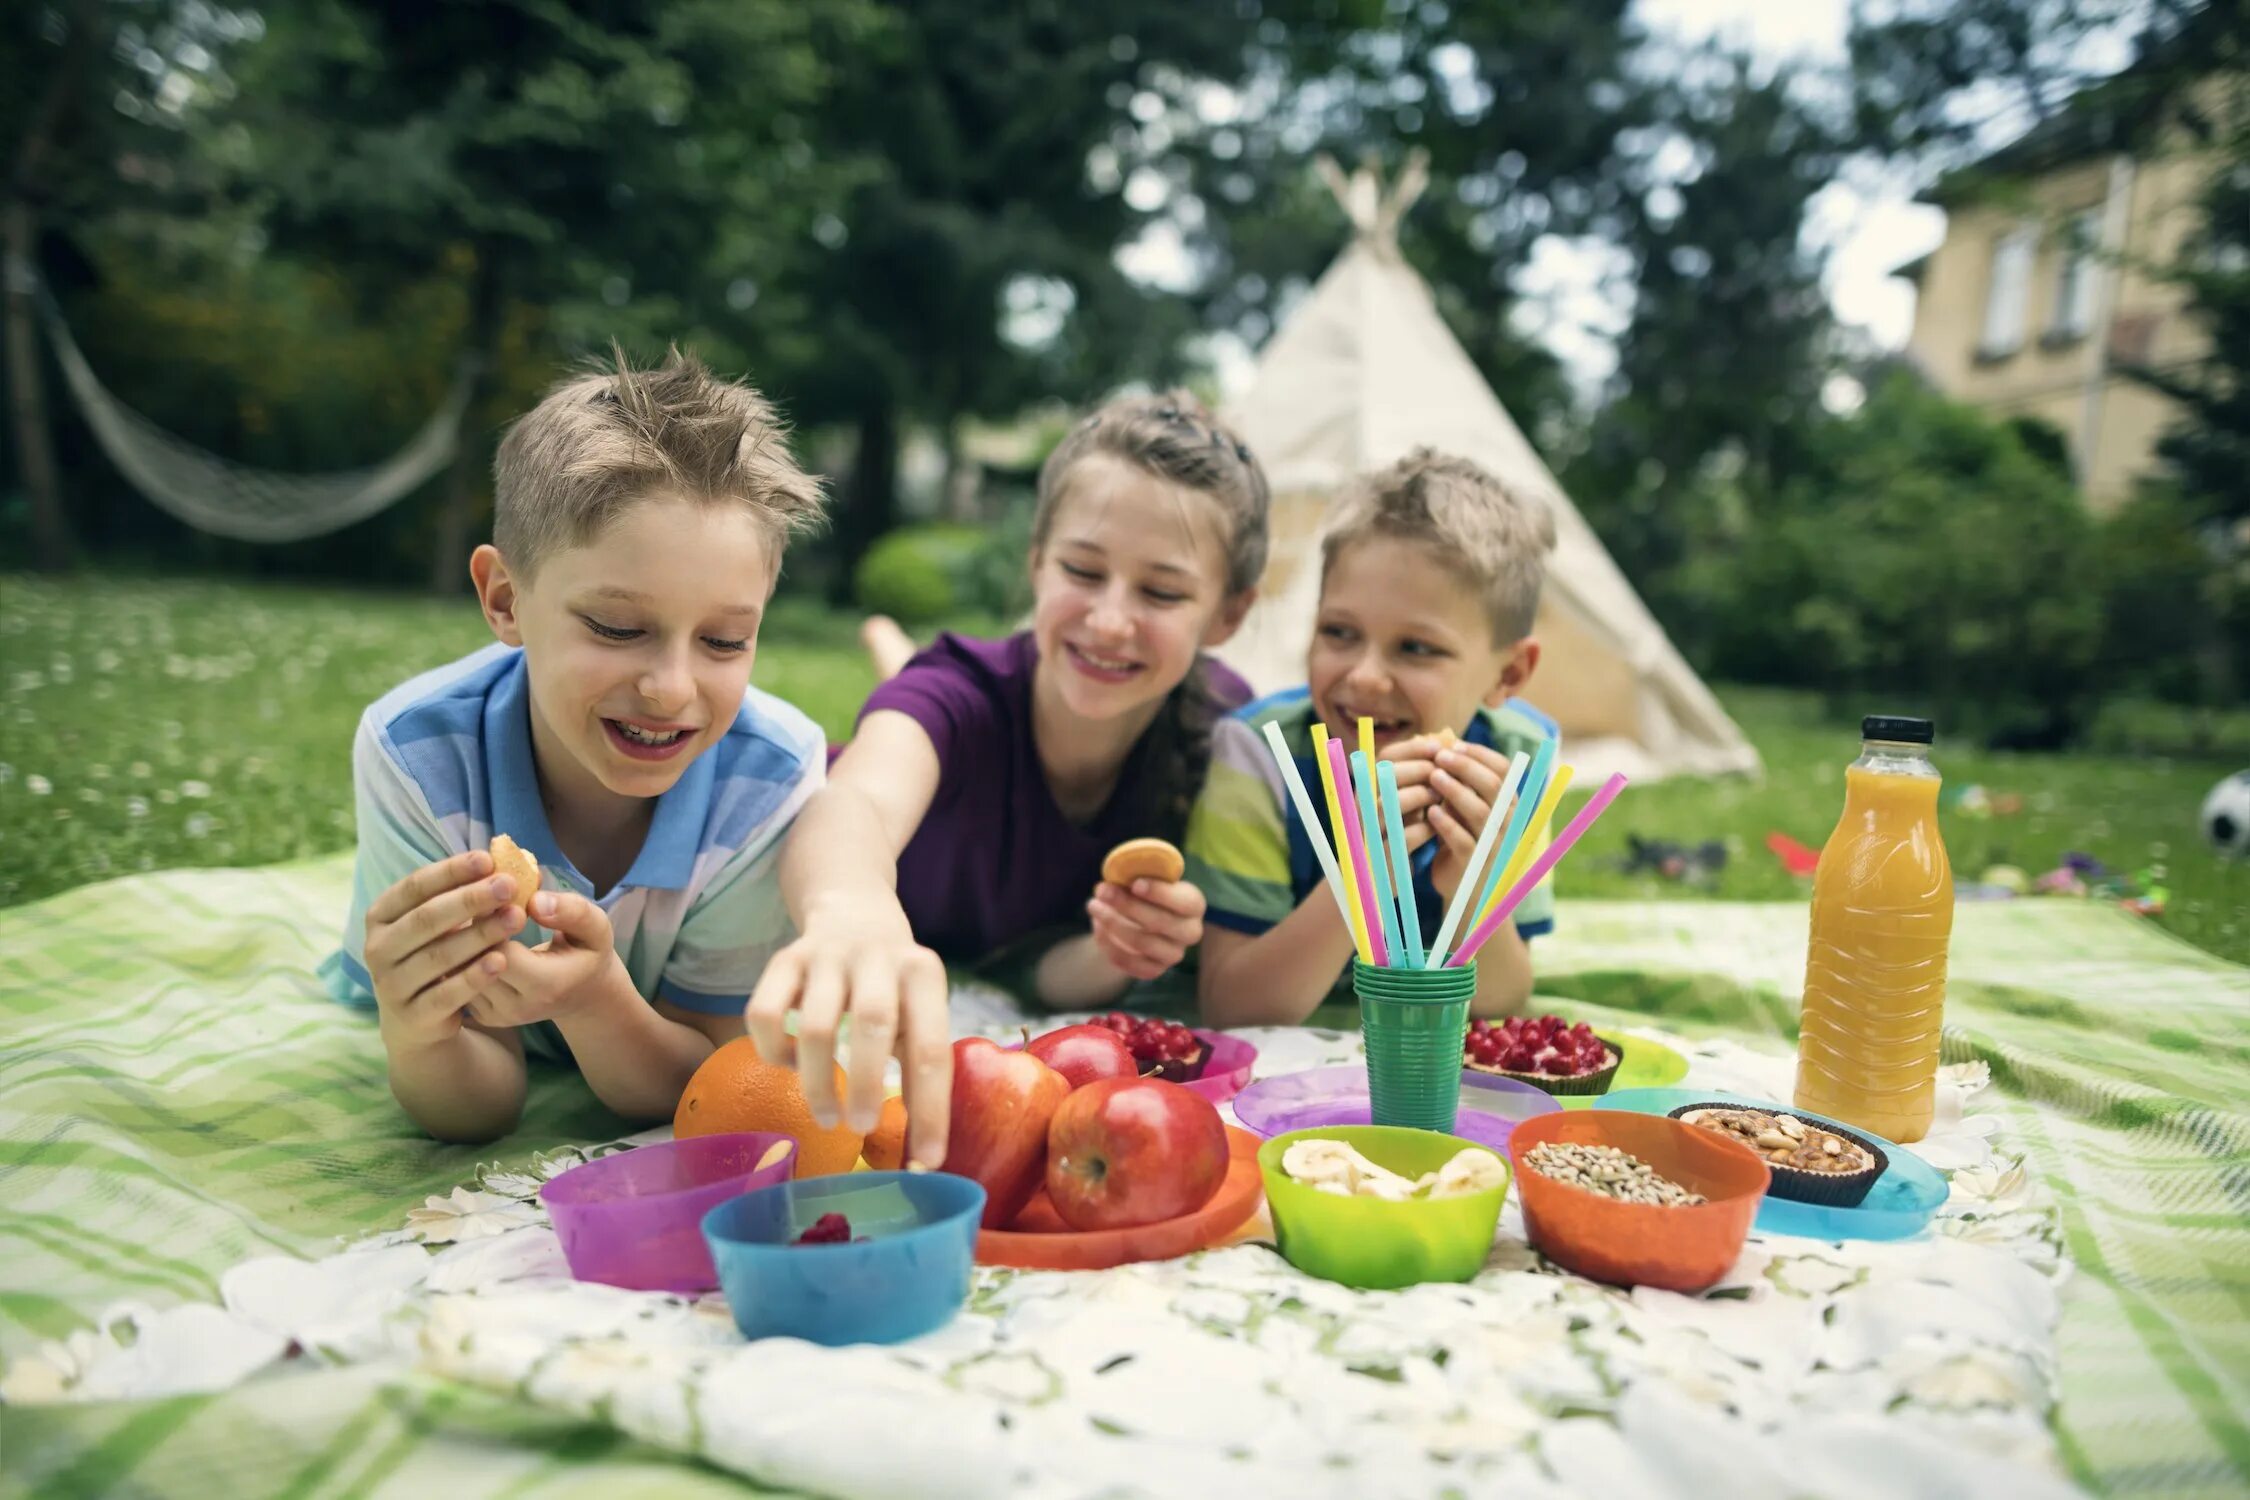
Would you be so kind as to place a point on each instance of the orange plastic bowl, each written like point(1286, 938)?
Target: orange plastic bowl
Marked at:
point(1641, 1244)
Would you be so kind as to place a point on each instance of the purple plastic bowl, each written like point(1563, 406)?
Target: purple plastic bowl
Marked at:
point(635, 1219)
point(1490, 1108)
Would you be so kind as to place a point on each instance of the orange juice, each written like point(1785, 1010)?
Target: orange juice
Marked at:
point(1882, 916)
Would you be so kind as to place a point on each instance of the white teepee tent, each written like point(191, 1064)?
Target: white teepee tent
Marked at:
point(1365, 371)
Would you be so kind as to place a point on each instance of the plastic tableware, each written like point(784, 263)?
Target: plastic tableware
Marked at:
point(634, 1219)
point(1413, 1021)
point(1641, 1244)
point(910, 1276)
point(1373, 1243)
point(1488, 1112)
point(1225, 1071)
point(1040, 1241)
point(1899, 1205)
point(1646, 1065)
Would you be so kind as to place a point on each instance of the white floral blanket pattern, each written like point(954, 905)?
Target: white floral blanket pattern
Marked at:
point(1920, 1368)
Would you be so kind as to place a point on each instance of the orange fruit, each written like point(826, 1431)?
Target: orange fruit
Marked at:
point(885, 1147)
point(735, 1089)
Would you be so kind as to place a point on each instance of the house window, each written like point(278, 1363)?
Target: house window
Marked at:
point(2008, 292)
point(2076, 277)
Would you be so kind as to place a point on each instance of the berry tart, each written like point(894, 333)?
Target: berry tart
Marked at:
point(1811, 1162)
point(1546, 1052)
point(1164, 1049)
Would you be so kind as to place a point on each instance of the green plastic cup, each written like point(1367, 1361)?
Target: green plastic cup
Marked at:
point(1414, 1021)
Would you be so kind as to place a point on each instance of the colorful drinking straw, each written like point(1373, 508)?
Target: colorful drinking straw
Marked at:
point(1402, 869)
point(1303, 801)
point(1539, 868)
point(1385, 905)
point(1541, 818)
point(1534, 785)
point(1487, 836)
point(1352, 912)
point(1355, 839)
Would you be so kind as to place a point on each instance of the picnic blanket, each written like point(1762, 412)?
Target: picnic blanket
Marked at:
point(176, 1099)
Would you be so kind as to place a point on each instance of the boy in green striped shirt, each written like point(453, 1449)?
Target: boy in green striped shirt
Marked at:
point(1430, 582)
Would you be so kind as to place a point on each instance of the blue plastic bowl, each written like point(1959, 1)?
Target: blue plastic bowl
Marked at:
point(910, 1276)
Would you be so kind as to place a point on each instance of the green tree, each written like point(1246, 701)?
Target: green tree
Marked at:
point(1731, 336)
point(1918, 554)
point(1945, 80)
point(106, 94)
point(583, 168)
point(971, 268)
point(1519, 105)
point(2208, 450)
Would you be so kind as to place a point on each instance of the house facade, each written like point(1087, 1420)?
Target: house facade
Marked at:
point(2048, 286)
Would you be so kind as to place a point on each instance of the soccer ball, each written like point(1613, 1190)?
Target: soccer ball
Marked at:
point(2226, 816)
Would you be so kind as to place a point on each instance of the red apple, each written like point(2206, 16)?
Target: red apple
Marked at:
point(1129, 1151)
point(1003, 1102)
point(1084, 1054)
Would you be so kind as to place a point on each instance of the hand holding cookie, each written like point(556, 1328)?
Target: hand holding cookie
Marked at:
point(432, 945)
point(1145, 915)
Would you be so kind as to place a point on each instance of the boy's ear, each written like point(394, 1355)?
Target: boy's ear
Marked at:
point(1229, 618)
point(496, 592)
point(1515, 672)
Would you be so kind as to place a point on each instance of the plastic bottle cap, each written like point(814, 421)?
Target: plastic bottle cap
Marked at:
point(1897, 731)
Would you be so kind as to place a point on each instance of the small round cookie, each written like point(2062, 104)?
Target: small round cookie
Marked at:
point(1138, 859)
point(1446, 738)
point(509, 858)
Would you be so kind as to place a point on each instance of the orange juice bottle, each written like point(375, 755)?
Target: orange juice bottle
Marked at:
point(1882, 915)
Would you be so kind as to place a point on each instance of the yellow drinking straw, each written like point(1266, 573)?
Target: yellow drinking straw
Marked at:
point(1528, 846)
point(1336, 831)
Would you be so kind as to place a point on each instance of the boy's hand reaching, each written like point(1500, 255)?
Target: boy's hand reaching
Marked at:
point(867, 966)
point(1145, 929)
point(550, 981)
point(432, 946)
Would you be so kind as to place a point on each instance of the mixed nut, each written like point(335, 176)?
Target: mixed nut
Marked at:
point(1784, 1140)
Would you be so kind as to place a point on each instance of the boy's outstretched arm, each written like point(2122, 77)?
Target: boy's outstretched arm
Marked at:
point(857, 954)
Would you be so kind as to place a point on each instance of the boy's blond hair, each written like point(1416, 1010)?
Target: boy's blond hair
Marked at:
point(599, 443)
point(1495, 539)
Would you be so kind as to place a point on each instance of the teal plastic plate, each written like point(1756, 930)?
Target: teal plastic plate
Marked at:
point(1899, 1206)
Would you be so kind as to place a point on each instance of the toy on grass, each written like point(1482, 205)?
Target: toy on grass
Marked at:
point(2226, 816)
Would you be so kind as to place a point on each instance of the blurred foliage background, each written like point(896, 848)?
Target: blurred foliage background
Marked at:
point(928, 229)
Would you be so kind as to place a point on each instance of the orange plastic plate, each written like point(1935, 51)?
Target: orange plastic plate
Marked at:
point(1040, 1241)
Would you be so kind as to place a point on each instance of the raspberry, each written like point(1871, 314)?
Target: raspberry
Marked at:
point(828, 1229)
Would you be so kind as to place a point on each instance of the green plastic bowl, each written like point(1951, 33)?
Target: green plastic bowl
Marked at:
point(1367, 1242)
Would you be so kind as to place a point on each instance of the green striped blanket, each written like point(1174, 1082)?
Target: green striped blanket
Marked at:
point(176, 1096)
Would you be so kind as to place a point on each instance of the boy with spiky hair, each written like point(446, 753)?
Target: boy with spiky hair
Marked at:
point(640, 518)
point(1430, 578)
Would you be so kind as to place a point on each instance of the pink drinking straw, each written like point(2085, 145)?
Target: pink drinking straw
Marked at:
point(1538, 871)
point(1358, 843)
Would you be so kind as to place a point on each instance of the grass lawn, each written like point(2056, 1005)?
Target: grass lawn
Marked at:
point(146, 724)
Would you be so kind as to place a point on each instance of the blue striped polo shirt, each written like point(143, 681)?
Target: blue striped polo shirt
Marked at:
point(443, 762)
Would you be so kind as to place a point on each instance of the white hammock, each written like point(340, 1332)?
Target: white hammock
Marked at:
point(231, 500)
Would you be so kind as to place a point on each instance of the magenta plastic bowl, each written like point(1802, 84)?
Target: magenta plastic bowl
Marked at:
point(1225, 1071)
point(635, 1219)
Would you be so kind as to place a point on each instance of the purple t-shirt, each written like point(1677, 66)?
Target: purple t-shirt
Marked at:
point(995, 859)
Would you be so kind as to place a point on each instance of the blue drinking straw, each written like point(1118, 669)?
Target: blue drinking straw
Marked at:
point(1371, 823)
point(1402, 869)
point(1534, 786)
